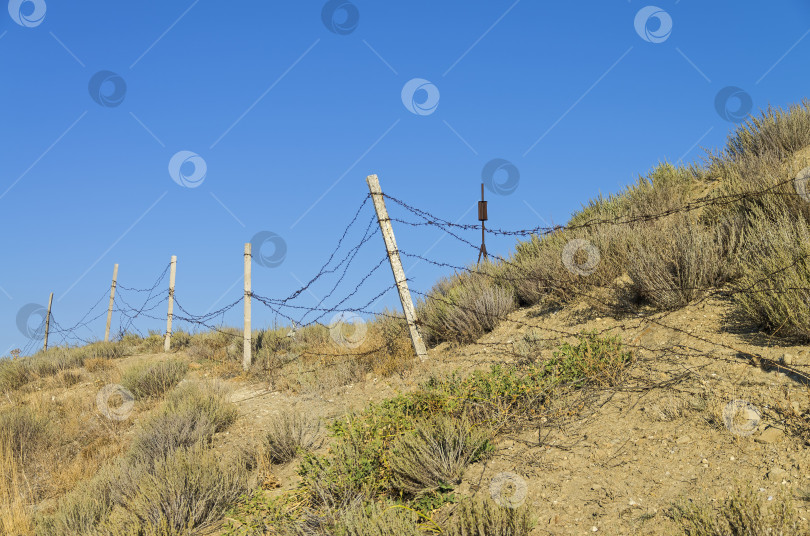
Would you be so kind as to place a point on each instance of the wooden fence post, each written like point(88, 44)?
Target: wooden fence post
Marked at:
point(110, 308)
point(396, 264)
point(167, 343)
point(247, 357)
point(47, 322)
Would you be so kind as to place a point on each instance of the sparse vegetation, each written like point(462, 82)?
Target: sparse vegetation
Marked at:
point(168, 482)
point(743, 512)
point(395, 466)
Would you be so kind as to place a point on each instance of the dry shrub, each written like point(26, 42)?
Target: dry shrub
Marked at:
point(210, 399)
point(13, 374)
point(436, 454)
point(168, 482)
point(773, 288)
point(24, 430)
point(83, 510)
point(316, 358)
point(673, 263)
point(592, 252)
point(742, 513)
point(379, 520)
point(222, 344)
point(14, 517)
point(288, 434)
point(776, 131)
point(187, 490)
point(103, 350)
point(483, 517)
point(98, 364)
point(154, 378)
point(191, 415)
point(464, 307)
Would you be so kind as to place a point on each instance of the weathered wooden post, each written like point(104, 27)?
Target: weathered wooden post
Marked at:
point(396, 264)
point(47, 322)
point(110, 308)
point(167, 343)
point(246, 357)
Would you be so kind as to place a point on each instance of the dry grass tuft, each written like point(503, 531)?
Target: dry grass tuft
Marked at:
point(14, 516)
point(289, 434)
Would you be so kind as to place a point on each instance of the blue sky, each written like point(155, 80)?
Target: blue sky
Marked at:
point(289, 114)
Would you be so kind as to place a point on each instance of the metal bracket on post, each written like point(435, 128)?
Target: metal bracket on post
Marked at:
point(396, 264)
point(482, 217)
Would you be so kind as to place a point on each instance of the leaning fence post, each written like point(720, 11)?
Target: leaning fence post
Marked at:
point(247, 358)
point(112, 300)
point(47, 322)
point(167, 343)
point(396, 264)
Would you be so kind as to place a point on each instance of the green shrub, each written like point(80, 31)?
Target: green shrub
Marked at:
point(352, 471)
point(154, 378)
point(436, 453)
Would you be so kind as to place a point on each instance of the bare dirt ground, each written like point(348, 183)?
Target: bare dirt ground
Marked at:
point(618, 465)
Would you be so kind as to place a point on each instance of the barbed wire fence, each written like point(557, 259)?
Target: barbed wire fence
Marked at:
point(143, 304)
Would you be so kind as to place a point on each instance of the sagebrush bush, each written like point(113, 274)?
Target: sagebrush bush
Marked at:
point(154, 378)
point(203, 398)
point(191, 415)
point(743, 512)
point(436, 454)
point(379, 520)
point(288, 434)
point(187, 489)
point(676, 262)
point(477, 517)
point(773, 289)
point(169, 480)
point(775, 131)
point(464, 307)
point(83, 510)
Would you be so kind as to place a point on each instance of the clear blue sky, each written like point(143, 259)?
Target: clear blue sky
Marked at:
point(289, 115)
